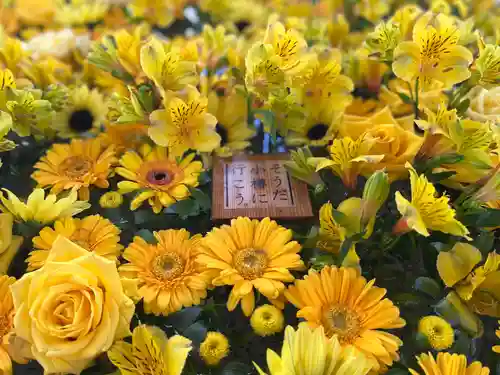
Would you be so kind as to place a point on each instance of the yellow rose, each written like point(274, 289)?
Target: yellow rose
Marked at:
point(398, 145)
point(72, 309)
point(484, 104)
point(9, 244)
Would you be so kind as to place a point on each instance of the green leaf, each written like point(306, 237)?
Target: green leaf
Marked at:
point(440, 176)
point(462, 106)
point(344, 249)
point(397, 371)
point(487, 217)
point(147, 236)
point(428, 286)
point(196, 332)
point(183, 319)
point(237, 368)
point(203, 199)
point(444, 159)
point(186, 208)
point(484, 241)
point(405, 98)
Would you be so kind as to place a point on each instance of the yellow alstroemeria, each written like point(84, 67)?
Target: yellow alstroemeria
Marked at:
point(166, 68)
point(426, 211)
point(488, 65)
point(434, 54)
point(185, 124)
point(456, 264)
point(128, 48)
point(347, 157)
point(383, 40)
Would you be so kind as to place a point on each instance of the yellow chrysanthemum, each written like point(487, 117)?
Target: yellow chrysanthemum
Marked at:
point(267, 320)
point(9, 244)
point(150, 353)
point(185, 124)
point(41, 209)
point(214, 348)
point(449, 364)
point(251, 254)
point(426, 211)
point(111, 199)
point(232, 122)
point(86, 112)
point(162, 178)
point(168, 274)
point(346, 305)
point(308, 351)
point(434, 54)
point(437, 331)
point(93, 233)
point(77, 165)
point(496, 348)
point(6, 321)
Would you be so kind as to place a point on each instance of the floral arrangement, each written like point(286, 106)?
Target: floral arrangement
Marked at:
point(111, 112)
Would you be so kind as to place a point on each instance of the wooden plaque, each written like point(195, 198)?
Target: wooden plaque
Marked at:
point(257, 186)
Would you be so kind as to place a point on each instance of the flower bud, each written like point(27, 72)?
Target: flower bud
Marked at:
point(375, 193)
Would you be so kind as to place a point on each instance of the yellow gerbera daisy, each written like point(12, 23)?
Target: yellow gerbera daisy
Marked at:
point(185, 124)
point(248, 254)
point(77, 165)
point(232, 124)
point(162, 178)
point(169, 277)
point(150, 353)
point(124, 136)
point(449, 364)
point(86, 112)
point(346, 305)
point(6, 321)
point(41, 209)
point(214, 348)
point(306, 343)
point(426, 211)
point(437, 331)
point(93, 233)
point(434, 54)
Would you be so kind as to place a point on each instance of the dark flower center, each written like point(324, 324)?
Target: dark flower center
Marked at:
point(158, 177)
point(242, 25)
point(222, 131)
point(317, 132)
point(81, 121)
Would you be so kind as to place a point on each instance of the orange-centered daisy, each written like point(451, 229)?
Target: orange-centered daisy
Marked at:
point(168, 274)
point(346, 305)
point(248, 254)
point(77, 165)
point(162, 178)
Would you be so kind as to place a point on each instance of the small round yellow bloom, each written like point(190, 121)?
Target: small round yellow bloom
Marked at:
point(267, 320)
point(111, 199)
point(214, 348)
point(438, 332)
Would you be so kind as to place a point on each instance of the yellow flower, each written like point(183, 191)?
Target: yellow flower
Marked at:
point(267, 320)
point(125, 136)
point(355, 313)
point(9, 244)
point(383, 40)
point(330, 357)
point(488, 65)
point(162, 178)
point(58, 44)
point(347, 158)
point(456, 264)
point(232, 122)
point(167, 69)
point(299, 168)
point(6, 321)
point(426, 211)
point(77, 165)
point(92, 233)
point(157, 12)
point(251, 254)
point(168, 274)
point(185, 124)
point(150, 353)
point(86, 111)
point(214, 348)
point(496, 348)
point(372, 10)
point(35, 12)
point(80, 12)
point(437, 331)
point(449, 364)
point(484, 104)
point(48, 71)
point(41, 209)
point(433, 55)
point(128, 48)
point(397, 144)
point(63, 339)
point(111, 199)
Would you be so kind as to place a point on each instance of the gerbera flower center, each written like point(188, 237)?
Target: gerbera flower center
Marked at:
point(317, 132)
point(81, 121)
point(343, 322)
point(242, 25)
point(251, 263)
point(168, 266)
point(159, 177)
point(222, 131)
point(75, 166)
